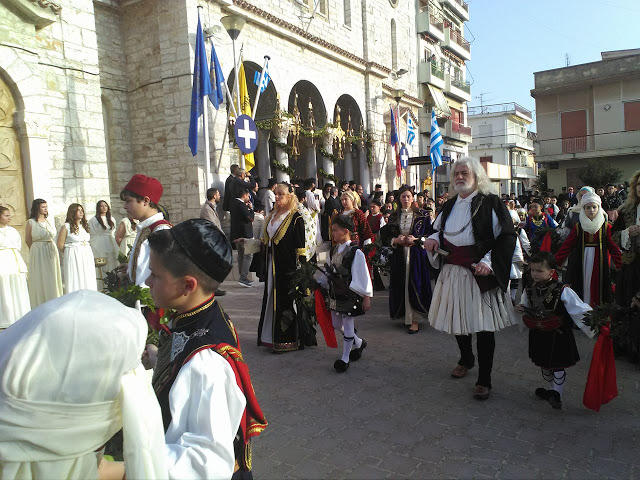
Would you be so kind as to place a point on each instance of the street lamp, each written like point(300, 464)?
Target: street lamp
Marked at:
point(233, 25)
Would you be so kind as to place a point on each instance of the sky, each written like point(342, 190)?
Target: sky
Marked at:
point(512, 39)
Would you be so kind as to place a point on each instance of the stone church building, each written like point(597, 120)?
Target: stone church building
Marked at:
point(92, 92)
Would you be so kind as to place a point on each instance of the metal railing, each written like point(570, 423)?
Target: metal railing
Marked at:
point(436, 22)
point(460, 128)
point(463, 4)
point(575, 144)
point(459, 39)
point(499, 108)
point(436, 71)
point(461, 84)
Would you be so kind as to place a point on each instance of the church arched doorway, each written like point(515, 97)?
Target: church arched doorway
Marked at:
point(351, 122)
point(11, 176)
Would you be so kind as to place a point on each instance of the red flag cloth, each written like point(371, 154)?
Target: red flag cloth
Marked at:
point(323, 315)
point(546, 243)
point(601, 385)
point(153, 318)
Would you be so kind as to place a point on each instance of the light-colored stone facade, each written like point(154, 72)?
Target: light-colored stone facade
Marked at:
point(102, 90)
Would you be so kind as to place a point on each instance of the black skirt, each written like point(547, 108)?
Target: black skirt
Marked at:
point(553, 349)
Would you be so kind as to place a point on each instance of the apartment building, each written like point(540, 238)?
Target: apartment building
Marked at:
point(589, 111)
point(442, 82)
point(503, 143)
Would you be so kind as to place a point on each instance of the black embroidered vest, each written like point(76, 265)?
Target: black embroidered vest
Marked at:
point(341, 298)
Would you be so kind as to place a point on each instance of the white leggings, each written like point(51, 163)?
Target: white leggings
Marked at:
point(346, 325)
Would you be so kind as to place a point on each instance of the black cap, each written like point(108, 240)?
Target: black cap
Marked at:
point(206, 246)
point(344, 221)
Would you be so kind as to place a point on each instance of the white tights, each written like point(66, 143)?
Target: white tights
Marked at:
point(346, 325)
point(555, 379)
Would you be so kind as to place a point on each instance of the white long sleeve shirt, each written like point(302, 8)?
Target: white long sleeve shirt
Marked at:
point(142, 270)
point(206, 410)
point(360, 278)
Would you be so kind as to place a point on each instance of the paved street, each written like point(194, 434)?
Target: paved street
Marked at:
point(398, 414)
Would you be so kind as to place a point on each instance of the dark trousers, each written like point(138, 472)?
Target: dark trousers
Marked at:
point(486, 344)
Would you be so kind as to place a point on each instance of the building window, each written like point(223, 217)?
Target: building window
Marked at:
point(394, 46)
point(347, 13)
point(488, 158)
point(632, 115)
point(317, 6)
point(573, 126)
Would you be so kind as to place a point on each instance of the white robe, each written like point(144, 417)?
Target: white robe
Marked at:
point(103, 245)
point(45, 278)
point(78, 262)
point(206, 409)
point(14, 294)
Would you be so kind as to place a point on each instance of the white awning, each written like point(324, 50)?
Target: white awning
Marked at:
point(439, 101)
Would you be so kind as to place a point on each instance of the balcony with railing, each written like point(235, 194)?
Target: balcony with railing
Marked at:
point(430, 24)
point(457, 87)
point(459, 7)
point(458, 131)
point(497, 171)
point(520, 141)
point(518, 171)
point(455, 42)
point(429, 72)
point(588, 146)
point(509, 107)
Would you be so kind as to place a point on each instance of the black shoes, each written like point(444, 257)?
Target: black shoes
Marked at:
point(550, 396)
point(356, 353)
point(341, 366)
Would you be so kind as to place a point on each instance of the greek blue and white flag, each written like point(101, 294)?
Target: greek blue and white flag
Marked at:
point(436, 143)
point(411, 130)
point(265, 79)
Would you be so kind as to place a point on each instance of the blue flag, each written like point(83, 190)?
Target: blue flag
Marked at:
point(216, 76)
point(265, 79)
point(201, 87)
point(394, 130)
point(436, 143)
point(411, 130)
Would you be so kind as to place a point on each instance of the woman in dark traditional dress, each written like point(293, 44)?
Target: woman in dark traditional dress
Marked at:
point(283, 238)
point(410, 295)
point(626, 233)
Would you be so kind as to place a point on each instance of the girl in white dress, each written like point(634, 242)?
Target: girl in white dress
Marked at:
point(126, 234)
point(78, 262)
point(14, 294)
point(45, 280)
point(102, 228)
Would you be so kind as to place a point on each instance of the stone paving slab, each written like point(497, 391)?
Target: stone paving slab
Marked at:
point(397, 413)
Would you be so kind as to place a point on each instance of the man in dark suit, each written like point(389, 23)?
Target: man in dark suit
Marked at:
point(570, 195)
point(242, 227)
point(226, 201)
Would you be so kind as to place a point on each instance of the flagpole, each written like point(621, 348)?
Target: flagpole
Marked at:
point(255, 103)
point(205, 128)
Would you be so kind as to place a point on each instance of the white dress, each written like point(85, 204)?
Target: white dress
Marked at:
point(129, 237)
point(45, 279)
point(14, 294)
point(103, 244)
point(78, 264)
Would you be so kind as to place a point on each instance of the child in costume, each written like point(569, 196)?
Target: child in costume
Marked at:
point(350, 289)
point(141, 197)
point(549, 308)
point(208, 404)
point(537, 219)
point(590, 249)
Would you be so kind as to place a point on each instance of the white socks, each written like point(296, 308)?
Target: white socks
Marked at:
point(347, 325)
point(555, 379)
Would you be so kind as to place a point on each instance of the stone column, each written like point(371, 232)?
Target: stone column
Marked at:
point(326, 142)
point(34, 145)
point(365, 173)
point(262, 157)
point(311, 170)
point(280, 132)
point(348, 162)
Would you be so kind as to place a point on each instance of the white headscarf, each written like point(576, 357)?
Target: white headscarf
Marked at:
point(70, 378)
point(581, 193)
point(588, 225)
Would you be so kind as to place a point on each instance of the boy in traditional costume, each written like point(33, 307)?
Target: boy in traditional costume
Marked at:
point(537, 219)
point(350, 289)
point(549, 308)
point(141, 197)
point(208, 405)
point(590, 249)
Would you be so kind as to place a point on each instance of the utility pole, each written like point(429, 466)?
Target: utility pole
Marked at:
point(481, 98)
point(567, 60)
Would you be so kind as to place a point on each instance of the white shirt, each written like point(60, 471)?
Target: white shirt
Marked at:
point(206, 409)
point(142, 270)
point(459, 217)
point(268, 199)
point(576, 308)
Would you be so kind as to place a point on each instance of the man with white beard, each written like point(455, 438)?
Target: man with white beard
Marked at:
point(471, 294)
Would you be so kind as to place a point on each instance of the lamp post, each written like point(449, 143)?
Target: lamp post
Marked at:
point(397, 94)
point(233, 25)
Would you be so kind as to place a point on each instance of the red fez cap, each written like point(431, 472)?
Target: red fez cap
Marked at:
point(145, 187)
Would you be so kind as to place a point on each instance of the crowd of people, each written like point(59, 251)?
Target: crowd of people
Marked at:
point(469, 263)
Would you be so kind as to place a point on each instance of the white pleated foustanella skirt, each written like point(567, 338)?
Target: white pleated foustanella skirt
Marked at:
point(459, 307)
